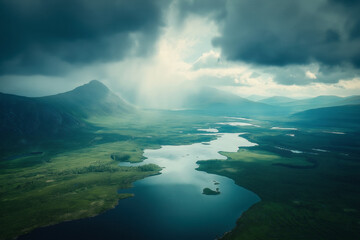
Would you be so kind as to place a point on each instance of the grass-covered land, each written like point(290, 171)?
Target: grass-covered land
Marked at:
point(313, 195)
point(70, 185)
point(47, 181)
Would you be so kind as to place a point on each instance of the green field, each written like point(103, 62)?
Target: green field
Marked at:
point(70, 185)
point(307, 195)
point(78, 176)
point(303, 196)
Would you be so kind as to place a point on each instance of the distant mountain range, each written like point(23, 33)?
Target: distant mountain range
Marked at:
point(57, 114)
point(276, 100)
point(214, 101)
point(61, 114)
point(320, 111)
point(294, 105)
point(339, 116)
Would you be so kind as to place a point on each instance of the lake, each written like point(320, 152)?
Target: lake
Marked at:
point(170, 205)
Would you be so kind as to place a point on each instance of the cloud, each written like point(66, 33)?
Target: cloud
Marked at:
point(297, 43)
point(51, 37)
point(210, 69)
point(282, 32)
point(208, 60)
point(207, 8)
point(268, 87)
point(155, 52)
point(310, 75)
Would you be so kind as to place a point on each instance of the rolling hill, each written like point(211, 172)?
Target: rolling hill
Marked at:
point(339, 116)
point(214, 101)
point(93, 98)
point(349, 100)
point(277, 100)
point(311, 103)
point(57, 114)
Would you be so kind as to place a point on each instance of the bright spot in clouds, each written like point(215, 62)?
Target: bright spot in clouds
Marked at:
point(310, 75)
point(183, 59)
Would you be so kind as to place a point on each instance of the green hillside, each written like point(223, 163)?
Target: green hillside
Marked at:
point(25, 120)
point(339, 116)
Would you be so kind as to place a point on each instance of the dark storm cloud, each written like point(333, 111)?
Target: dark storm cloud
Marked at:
point(52, 36)
point(296, 75)
point(212, 8)
point(282, 32)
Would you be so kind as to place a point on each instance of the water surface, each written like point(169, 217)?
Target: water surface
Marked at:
point(236, 124)
point(170, 205)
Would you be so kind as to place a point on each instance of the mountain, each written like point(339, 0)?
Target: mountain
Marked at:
point(338, 116)
point(28, 117)
point(90, 99)
point(255, 98)
point(277, 100)
point(214, 101)
point(311, 103)
point(319, 100)
point(349, 100)
point(23, 116)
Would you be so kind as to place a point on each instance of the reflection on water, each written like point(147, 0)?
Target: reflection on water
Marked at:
point(170, 205)
point(211, 130)
point(283, 128)
point(238, 124)
point(338, 133)
point(239, 118)
point(179, 162)
point(290, 150)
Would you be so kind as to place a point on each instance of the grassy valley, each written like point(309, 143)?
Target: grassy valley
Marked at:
point(72, 179)
point(221, 119)
point(50, 177)
point(309, 195)
point(70, 185)
point(60, 159)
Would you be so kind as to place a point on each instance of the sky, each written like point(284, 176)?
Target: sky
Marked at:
point(155, 53)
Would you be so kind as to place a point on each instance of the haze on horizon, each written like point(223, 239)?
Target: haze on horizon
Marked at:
point(154, 53)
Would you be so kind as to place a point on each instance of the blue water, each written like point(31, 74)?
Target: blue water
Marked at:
point(170, 205)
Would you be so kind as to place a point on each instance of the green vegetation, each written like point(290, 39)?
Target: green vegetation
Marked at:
point(71, 185)
point(319, 202)
point(339, 116)
point(208, 191)
point(59, 159)
point(78, 176)
point(130, 152)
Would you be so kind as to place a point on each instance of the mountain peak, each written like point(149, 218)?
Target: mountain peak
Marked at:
point(92, 98)
point(90, 91)
point(93, 86)
point(95, 83)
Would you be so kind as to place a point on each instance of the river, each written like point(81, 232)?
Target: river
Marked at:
point(170, 205)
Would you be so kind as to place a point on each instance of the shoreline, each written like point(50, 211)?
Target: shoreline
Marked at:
point(125, 196)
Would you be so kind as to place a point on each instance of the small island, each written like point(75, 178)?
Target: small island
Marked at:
point(216, 183)
point(208, 191)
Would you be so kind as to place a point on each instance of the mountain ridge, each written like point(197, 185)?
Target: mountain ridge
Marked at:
point(312, 103)
point(92, 98)
point(276, 100)
point(55, 115)
point(212, 100)
point(335, 116)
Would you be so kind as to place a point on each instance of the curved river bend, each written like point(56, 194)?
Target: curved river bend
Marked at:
point(170, 205)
